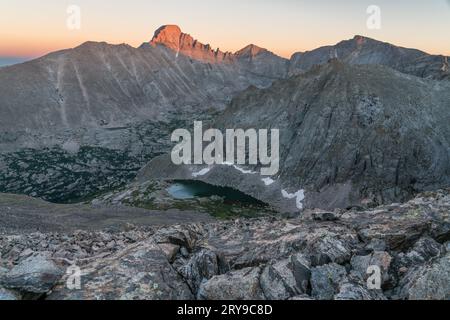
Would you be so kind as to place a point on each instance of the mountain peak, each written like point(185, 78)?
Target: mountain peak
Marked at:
point(168, 35)
point(173, 38)
point(362, 40)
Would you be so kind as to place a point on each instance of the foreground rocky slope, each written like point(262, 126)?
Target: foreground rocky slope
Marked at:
point(349, 134)
point(320, 255)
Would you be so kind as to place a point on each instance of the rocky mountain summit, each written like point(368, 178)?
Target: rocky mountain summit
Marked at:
point(173, 38)
point(364, 50)
point(251, 58)
point(320, 255)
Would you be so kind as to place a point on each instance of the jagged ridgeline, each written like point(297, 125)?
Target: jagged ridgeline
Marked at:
point(80, 122)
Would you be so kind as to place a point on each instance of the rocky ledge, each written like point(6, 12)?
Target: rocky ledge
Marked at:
point(320, 255)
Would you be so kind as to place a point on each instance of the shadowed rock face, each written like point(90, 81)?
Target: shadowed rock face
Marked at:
point(363, 50)
point(369, 132)
point(348, 135)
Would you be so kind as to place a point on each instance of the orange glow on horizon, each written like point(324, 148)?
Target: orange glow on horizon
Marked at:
point(32, 29)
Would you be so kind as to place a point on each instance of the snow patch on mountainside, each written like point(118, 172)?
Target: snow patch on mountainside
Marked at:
point(299, 196)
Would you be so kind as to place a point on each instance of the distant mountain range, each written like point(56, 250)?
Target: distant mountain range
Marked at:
point(99, 84)
point(7, 61)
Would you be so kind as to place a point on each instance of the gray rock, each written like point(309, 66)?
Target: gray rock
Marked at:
point(376, 245)
point(137, 272)
point(6, 294)
point(355, 291)
point(303, 297)
point(301, 268)
point(3, 271)
point(325, 216)
point(201, 267)
point(326, 280)
point(422, 251)
point(427, 282)
point(288, 258)
point(170, 250)
point(36, 274)
point(360, 265)
point(278, 282)
point(331, 248)
point(235, 285)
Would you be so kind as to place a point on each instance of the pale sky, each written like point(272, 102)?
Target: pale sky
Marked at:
point(31, 28)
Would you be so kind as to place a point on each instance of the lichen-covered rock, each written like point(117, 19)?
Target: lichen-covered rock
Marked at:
point(36, 274)
point(140, 271)
point(427, 282)
point(202, 266)
point(278, 281)
point(235, 285)
point(361, 264)
point(331, 247)
point(422, 251)
point(326, 280)
point(301, 268)
point(354, 291)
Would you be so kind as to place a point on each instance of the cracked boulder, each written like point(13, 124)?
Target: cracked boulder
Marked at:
point(202, 266)
point(235, 285)
point(326, 280)
point(427, 282)
point(36, 274)
point(360, 265)
point(138, 272)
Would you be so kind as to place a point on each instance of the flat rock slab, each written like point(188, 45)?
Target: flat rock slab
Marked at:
point(36, 274)
point(139, 272)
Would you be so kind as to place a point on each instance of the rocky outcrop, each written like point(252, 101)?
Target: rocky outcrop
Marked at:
point(81, 113)
point(36, 274)
point(260, 60)
point(427, 282)
point(173, 38)
point(241, 284)
point(264, 258)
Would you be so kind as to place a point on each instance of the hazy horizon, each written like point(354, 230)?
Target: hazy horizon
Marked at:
point(284, 27)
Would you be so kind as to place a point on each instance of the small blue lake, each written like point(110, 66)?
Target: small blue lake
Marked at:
point(191, 189)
